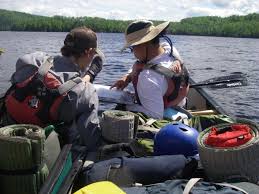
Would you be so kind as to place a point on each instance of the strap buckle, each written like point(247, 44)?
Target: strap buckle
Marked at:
point(33, 102)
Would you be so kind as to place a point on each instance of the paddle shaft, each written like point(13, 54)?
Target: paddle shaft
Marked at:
point(223, 83)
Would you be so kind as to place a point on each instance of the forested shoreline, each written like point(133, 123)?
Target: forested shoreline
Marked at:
point(233, 26)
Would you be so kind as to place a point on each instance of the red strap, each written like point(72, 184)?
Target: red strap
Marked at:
point(51, 81)
point(237, 135)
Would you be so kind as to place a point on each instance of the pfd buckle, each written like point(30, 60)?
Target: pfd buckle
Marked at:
point(41, 91)
point(33, 102)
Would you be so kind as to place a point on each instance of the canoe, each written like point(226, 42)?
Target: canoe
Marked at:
point(63, 174)
point(199, 103)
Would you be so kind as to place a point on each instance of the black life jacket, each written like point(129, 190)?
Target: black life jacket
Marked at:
point(37, 99)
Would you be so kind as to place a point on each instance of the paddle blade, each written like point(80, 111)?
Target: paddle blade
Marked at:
point(229, 81)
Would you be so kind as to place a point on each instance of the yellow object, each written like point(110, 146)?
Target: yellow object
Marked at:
point(102, 187)
point(1, 51)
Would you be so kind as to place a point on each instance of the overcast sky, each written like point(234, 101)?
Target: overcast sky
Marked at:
point(172, 10)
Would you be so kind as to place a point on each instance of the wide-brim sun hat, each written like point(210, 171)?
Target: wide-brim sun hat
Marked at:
point(142, 31)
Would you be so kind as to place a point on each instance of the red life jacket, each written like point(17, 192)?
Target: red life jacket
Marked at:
point(37, 99)
point(235, 135)
point(171, 92)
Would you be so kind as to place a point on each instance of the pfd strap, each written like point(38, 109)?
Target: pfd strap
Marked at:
point(65, 87)
point(45, 67)
point(162, 70)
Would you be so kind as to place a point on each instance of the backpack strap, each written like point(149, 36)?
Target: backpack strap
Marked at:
point(193, 181)
point(68, 85)
point(233, 186)
point(63, 88)
point(190, 184)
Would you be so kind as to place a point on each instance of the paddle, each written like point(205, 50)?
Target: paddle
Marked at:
point(233, 80)
point(229, 81)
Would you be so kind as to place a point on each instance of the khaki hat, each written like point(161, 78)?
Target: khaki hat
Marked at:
point(142, 31)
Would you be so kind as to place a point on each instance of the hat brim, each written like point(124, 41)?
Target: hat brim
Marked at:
point(151, 35)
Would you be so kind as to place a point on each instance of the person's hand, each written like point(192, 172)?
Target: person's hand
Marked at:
point(121, 83)
point(176, 66)
point(95, 67)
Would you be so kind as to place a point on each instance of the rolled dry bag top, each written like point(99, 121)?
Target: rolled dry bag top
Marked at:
point(22, 167)
point(230, 136)
point(21, 146)
point(118, 126)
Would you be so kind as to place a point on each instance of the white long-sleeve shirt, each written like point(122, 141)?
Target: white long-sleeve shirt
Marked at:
point(152, 86)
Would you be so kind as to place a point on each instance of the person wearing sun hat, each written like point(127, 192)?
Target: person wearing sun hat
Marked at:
point(152, 88)
point(80, 59)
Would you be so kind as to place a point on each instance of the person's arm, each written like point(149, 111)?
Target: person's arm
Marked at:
point(177, 60)
point(95, 67)
point(177, 67)
point(122, 82)
point(87, 121)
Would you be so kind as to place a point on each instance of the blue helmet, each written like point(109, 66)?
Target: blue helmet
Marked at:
point(176, 138)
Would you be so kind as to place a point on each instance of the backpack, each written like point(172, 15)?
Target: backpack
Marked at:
point(37, 99)
point(194, 186)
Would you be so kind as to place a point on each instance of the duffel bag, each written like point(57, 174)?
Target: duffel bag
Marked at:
point(125, 171)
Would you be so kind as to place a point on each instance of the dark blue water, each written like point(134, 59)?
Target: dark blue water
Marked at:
point(205, 57)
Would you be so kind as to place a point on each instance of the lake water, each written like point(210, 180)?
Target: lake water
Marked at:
point(205, 57)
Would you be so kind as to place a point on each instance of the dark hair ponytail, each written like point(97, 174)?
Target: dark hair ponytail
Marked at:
point(77, 41)
point(67, 51)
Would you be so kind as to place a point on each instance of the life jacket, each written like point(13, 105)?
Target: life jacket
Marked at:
point(173, 83)
point(37, 99)
point(232, 136)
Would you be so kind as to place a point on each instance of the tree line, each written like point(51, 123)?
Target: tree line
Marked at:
point(233, 26)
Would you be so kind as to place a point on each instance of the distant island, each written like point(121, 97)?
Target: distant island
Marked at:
point(232, 26)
